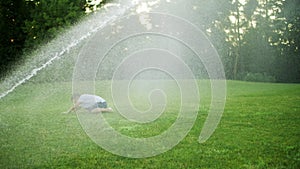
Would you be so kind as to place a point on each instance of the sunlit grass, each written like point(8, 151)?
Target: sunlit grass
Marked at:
point(259, 129)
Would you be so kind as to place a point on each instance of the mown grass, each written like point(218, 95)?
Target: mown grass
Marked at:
point(260, 128)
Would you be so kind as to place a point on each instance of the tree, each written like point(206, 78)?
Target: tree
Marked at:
point(12, 14)
point(261, 36)
point(26, 23)
point(258, 50)
point(94, 5)
point(234, 24)
point(258, 54)
point(288, 69)
point(49, 17)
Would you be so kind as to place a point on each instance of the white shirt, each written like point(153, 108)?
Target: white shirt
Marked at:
point(88, 100)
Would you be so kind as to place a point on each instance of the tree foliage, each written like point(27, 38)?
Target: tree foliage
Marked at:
point(288, 58)
point(256, 39)
point(48, 17)
point(27, 23)
point(261, 37)
point(12, 37)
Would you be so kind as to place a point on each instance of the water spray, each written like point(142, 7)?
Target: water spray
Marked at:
point(93, 23)
point(140, 45)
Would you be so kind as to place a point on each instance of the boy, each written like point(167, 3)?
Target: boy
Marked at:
point(92, 103)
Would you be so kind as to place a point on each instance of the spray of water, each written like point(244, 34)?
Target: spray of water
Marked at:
point(141, 53)
point(144, 56)
point(55, 50)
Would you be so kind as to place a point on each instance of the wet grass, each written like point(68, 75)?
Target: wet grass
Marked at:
point(260, 128)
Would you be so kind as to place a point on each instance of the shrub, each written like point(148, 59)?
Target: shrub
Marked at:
point(259, 77)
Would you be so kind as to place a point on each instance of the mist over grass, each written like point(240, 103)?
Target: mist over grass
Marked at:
point(259, 129)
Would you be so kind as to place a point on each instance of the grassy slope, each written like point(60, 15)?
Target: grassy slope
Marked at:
point(259, 129)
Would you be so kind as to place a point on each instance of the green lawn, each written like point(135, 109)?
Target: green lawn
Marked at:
point(260, 128)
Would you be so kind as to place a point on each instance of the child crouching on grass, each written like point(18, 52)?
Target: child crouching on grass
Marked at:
point(92, 103)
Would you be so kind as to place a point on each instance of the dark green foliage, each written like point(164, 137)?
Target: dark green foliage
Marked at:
point(92, 6)
point(48, 17)
point(258, 56)
point(288, 62)
point(26, 24)
point(264, 39)
point(258, 77)
point(12, 38)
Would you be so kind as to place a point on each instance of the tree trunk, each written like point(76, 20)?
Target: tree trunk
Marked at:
point(237, 53)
